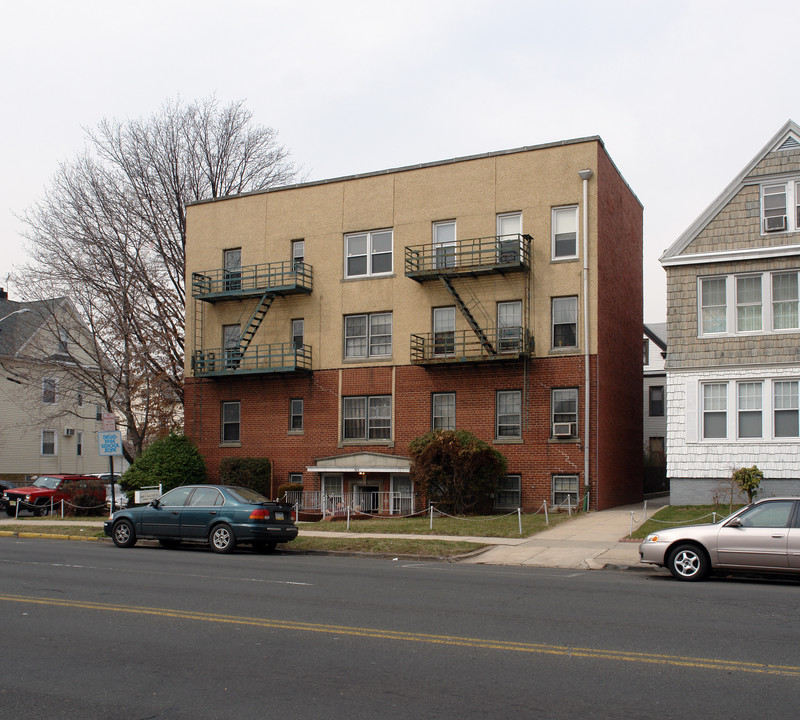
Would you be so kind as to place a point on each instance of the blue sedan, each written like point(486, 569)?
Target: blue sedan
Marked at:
point(220, 515)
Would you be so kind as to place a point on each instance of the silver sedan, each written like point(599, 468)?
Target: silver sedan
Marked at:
point(762, 537)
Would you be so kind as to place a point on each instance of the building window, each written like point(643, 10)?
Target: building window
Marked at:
point(715, 410)
point(565, 490)
point(48, 442)
point(657, 451)
point(748, 303)
point(565, 322)
point(785, 304)
point(231, 422)
point(443, 411)
point(656, 401)
point(508, 494)
point(63, 341)
point(565, 232)
point(368, 253)
point(786, 408)
point(368, 335)
point(296, 478)
point(509, 236)
point(79, 443)
point(444, 244)
point(49, 386)
point(713, 306)
point(298, 252)
point(780, 207)
point(230, 345)
point(98, 412)
point(646, 352)
point(749, 409)
point(232, 263)
point(444, 331)
point(508, 414)
point(509, 326)
point(80, 395)
point(296, 414)
point(298, 333)
point(367, 418)
point(564, 412)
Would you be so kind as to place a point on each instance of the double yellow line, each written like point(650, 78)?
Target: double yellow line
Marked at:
point(454, 641)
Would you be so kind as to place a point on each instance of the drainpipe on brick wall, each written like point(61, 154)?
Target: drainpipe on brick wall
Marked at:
point(585, 175)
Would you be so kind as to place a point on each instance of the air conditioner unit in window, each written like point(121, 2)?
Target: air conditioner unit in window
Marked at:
point(69, 432)
point(562, 430)
point(773, 224)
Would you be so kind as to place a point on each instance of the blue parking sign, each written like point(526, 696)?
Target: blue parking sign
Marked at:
point(110, 443)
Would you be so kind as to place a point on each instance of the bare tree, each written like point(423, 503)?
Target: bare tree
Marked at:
point(110, 233)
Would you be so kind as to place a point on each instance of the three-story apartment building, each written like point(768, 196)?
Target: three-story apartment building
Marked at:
point(330, 323)
point(733, 325)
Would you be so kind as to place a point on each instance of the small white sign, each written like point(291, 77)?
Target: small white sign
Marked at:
point(109, 422)
point(110, 443)
point(140, 497)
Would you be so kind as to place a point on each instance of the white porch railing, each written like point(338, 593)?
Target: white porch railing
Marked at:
point(370, 502)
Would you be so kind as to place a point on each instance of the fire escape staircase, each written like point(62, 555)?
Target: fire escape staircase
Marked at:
point(467, 313)
point(262, 307)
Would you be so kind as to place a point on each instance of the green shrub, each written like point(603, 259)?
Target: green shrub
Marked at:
point(171, 461)
point(748, 480)
point(253, 473)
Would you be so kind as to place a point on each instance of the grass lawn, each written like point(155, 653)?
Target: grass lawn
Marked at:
point(676, 515)
point(504, 526)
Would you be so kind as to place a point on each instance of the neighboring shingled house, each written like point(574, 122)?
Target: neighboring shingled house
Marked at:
point(733, 316)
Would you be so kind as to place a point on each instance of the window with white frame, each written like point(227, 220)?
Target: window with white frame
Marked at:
point(98, 412)
point(780, 206)
point(786, 409)
point(508, 414)
point(715, 410)
point(298, 252)
point(367, 417)
point(49, 387)
point(785, 303)
point(509, 236)
point(564, 312)
point(298, 332)
point(63, 341)
point(565, 232)
point(444, 331)
point(749, 407)
point(296, 478)
point(49, 442)
point(444, 244)
point(564, 412)
point(368, 335)
point(296, 414)
point(749, 303)
point(508, 493)
point(368, 253)
point(509, 326)
point(230, 345)
point(79, 443)
point(443, 411)
point(713, 305)
point(232, 263)
point(565, 490)
point(231, 413)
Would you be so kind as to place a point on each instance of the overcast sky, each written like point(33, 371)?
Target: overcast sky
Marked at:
point(683, 94)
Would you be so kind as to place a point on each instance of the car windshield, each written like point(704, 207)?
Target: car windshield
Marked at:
point(246, 495)
point(50, 483)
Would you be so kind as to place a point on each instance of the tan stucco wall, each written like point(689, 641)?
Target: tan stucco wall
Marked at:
point(472, 192)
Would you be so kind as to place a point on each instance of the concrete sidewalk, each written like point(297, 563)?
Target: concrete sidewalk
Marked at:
point(593, 540)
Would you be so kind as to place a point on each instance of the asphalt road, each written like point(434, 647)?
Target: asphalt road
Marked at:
point(91, 631)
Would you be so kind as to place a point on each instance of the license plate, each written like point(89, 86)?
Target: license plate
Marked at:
point(280, 516)
point(12, 502)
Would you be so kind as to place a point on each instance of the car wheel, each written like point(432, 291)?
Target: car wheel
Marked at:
point(41, 509)
point(688, 562)
point(169, 542)
point(123, 534)
point(222, 539)
point(265, 547)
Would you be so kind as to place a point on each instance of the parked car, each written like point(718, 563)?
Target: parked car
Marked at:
point(120, 498)
point(220, 515)
point(47, 491)
point(761, 537)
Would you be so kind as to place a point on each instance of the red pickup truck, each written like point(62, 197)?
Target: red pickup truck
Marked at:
point(47, 491)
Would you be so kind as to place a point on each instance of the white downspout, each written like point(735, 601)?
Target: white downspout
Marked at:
point(585, 175)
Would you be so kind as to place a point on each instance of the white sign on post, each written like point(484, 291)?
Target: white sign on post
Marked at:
point(110, 443)
point(109, 422)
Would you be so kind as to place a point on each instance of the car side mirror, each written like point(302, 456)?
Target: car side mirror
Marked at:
point(154, 504)
point(735, 523)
